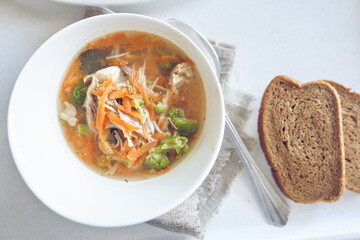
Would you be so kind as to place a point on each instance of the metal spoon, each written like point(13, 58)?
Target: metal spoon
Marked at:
point(275, 207)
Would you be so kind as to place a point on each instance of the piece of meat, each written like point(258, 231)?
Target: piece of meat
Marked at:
point(180, 73)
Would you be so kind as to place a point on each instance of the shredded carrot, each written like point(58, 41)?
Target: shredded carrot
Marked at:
point(150, 108)
point(126, 103)
point(139, 161)
point(162, 124)
point(120, 107)
point(136, 114)
point(118, 121)
point(108, 85)
point(159, 136)
point(106, 122)
point(96, 93)
point(132, 112)
point(103, 142)
point(135, 153)
point(117, 62)
point(135, 79)
point(156, 117)
point(121, 156)
point(126, 146)
point(143, 92)
point(100, 116)
point(146, 134)
point(134, 96)
point(148, 104)
point(118, 93)
point(126, 133)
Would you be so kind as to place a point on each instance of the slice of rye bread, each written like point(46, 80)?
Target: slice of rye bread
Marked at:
point(350, 109)
point(300, 130)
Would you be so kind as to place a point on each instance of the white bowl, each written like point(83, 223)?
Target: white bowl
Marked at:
point(63, 182)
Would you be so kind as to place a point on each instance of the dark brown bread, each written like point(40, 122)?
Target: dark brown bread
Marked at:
point(300, 129)
point(350, 109)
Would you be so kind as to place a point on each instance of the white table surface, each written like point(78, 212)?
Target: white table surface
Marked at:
point(307, 40)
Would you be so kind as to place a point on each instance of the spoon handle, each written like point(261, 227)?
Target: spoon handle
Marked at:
point(274, 205)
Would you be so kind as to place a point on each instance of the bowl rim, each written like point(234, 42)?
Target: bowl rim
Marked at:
point(176, 202)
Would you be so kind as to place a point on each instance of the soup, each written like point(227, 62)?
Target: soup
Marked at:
point(131, 105)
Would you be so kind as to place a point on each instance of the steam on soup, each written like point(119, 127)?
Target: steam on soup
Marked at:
point(131, 105)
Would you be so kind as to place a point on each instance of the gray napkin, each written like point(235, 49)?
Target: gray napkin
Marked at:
point(191, 216)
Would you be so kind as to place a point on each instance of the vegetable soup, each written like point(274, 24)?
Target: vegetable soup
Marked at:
point(131, 105)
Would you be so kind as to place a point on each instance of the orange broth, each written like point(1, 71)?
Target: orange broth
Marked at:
point(160, 57)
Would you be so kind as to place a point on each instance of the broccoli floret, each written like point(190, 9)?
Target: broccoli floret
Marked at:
point(160, 107)
point(177, 143)
point(185, 126)
point(157, 158)
point(175, 113)
point(78, 95)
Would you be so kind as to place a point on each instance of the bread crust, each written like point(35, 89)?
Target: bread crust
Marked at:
point(349, 185)
point(265, 146)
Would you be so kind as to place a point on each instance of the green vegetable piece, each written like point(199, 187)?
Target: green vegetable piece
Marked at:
point(139, 102)
point(160, 107)
point(184, 126)
point(166, 65)
point(83, 129)
point(78, 95)
point(175, 113)
point(108, 145)
point(127, 163)
point(157, 160)
point(177, 143)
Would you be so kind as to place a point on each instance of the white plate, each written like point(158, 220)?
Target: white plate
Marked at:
point(101, 2)
point(63, 182)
